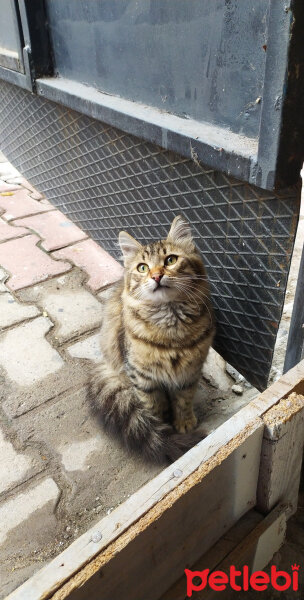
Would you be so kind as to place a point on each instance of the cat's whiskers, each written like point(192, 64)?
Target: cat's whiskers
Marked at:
point(200, 294)
point(187, 280)
point(139, 294)
point(189, 277)
point(184, 287)
point(188, 294)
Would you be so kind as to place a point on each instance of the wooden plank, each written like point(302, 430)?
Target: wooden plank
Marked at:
point(157, 555)
point(281, 456)
point(256, 539)
point(255, 551)
point(217, 553)
point(154, 498)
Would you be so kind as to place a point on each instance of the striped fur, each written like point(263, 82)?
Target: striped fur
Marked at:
point(157, 329)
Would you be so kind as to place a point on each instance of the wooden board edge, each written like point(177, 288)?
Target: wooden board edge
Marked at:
point(281, 455)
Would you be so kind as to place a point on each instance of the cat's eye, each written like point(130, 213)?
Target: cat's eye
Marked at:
point(170, 260)
point(142, 268)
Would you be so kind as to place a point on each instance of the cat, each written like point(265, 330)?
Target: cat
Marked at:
point(157, 329)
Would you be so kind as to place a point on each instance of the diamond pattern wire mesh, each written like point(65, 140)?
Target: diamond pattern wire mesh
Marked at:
point(107, 180)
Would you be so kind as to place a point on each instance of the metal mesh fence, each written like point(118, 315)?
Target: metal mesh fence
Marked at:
point(107, 180)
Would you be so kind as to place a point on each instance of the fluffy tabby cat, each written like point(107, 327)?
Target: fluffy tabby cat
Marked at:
point(157, 330)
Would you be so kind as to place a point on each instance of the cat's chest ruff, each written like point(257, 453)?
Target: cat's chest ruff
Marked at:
point(168, 315)
point(162, 327)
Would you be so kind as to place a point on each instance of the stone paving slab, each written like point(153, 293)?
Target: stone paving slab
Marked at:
point(92, 463)
point(72, 308)
point(28, 530)
point(21, 204)
point(18, 400)
point(22, 182)
point(88, 348)
point(54, 228)
point(12, 312)
point(25, 355)
point(105, 294)
point(14, 465)
point(15, 511)
point(8, 232)
point(7, 187)
point(27, 264)
point(98, 264)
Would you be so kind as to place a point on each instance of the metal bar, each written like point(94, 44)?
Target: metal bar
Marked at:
point(276, 71)
point(15, 78)
point(202, 142)
point(295, 344)
point(37, 50)
point(291, 147)
point(282, 118)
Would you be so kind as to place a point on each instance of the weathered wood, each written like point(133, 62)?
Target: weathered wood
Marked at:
point(255, 551)
point(217, 553)
point(281, 456)
point(253, 542)
point(77, 564)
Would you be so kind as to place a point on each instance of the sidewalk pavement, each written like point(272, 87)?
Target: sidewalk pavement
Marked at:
point(57, 471)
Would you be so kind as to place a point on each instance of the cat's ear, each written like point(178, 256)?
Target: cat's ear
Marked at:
point(129, 246)
point(180, 232)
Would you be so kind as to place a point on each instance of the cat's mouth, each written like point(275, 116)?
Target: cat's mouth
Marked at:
point(160, 286)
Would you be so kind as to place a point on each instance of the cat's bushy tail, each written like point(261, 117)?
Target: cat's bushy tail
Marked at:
point(124, 416)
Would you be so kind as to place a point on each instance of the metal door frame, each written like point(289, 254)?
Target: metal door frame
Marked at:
point(271, 162)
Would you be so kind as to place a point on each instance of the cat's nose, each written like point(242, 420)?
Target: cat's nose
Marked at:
point(157, 277)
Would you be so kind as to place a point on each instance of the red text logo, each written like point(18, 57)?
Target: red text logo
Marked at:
point(242, 580)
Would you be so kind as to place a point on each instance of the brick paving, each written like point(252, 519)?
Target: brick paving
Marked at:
point(19, 203)
point(54, 228)
point(7, 232)
point(96, 262)
point(27, 264)
point(5, 187)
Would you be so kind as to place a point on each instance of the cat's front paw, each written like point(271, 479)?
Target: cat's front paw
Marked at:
point(185, 424)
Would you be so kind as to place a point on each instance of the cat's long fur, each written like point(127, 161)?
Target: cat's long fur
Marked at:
point(154, 339)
